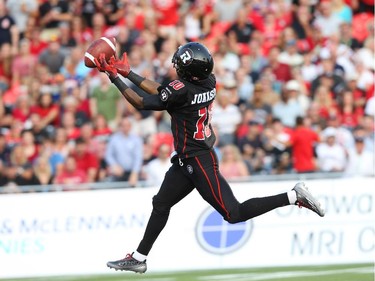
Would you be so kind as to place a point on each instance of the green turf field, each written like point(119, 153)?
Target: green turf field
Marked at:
point(358, 272)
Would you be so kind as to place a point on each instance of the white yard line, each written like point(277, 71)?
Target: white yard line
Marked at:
point(283, 274)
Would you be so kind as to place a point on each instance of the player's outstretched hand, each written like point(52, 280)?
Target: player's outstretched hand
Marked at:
point(122, 65)
point(103, 66)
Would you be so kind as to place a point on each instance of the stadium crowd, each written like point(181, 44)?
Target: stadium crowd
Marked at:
point(295, 87)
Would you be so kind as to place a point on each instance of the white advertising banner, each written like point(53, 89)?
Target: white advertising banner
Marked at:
point(67, 233)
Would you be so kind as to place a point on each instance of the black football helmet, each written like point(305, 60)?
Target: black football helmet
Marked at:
point(193, 62)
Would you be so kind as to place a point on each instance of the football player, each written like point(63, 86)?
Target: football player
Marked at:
point(188, 100)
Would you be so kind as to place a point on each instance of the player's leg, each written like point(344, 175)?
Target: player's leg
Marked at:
point(173, 189)
point(215, 190)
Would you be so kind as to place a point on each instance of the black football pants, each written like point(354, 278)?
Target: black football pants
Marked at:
point(201, 172)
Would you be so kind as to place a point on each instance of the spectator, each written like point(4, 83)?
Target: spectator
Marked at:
point(166, 16)
point(329, 76)
point(291, 56)
point(271, 29)
point(269, 96)
point(68, 122)
point(70, 104)
point(5, 151)
point(52, 57)
point(61, 144)
point(80, 93)
point(105, 100)
point(279, 141)
point(281, 71)
point(241, 29)
point(28, 145)
point(364, 59)
point(303, 140)
point(349, 114)
point(21, 11)
point(232, 165)
point(52, 13)
point(17, 157)
point(103, 171)
point(327, 21)
point(13, 135)
point(298, 92)
point(6, 58)
point(309, 70)
point(344, 136)
point(330, 155)
point(70, 176)
point(261, 108)
point(226, 117)
point(251, 142)
point(98, 29)
point(55, 158)
point(74, 66)
point(10, 174)
point(342, 11)
point(287, 109)
point(26, 176)
point(155, 170)
point(227, 10)
point(358, 94)
point(67, 41)
point(192, 22)
point(88, 136)
point(85, 160)
point(22, 109)
point(256, 61)
point(124, 154)
point(43, 170)
point(245, 85)
point(346, 37)
point(46, 108)
point(301, 24)
point(9, 33)
point(325, 103)
point(40, 133)
point(360, 161)
point(23, 66)
point(101, 129)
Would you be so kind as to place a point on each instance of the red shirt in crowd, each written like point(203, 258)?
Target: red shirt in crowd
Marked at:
point(20, 115)
point(282, 72)
point(302, 140)
point(74, 177)
point(167, 12)
point(86, 161)
point(44, 111)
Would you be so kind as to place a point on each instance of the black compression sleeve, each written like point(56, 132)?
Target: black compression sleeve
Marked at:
point(135, 78)
point(120, 84)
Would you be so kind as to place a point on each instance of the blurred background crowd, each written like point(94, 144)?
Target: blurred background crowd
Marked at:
point(295, 89)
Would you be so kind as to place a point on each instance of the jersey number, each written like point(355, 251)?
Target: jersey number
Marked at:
point(177, 85)
point(202, 131)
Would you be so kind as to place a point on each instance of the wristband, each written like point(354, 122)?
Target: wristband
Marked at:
point(120, 84)
point(135, 78)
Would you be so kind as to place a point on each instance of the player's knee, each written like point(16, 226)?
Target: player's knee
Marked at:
point(233, 216)
point(159, 207)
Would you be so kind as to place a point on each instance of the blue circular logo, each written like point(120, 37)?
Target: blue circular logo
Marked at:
point(217, 236)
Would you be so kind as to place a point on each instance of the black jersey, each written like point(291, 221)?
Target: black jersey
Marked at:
point(190, 107)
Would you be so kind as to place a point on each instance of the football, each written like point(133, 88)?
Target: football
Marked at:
point(106, 45)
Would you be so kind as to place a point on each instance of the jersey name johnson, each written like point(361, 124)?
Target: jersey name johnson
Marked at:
point(204, 97)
